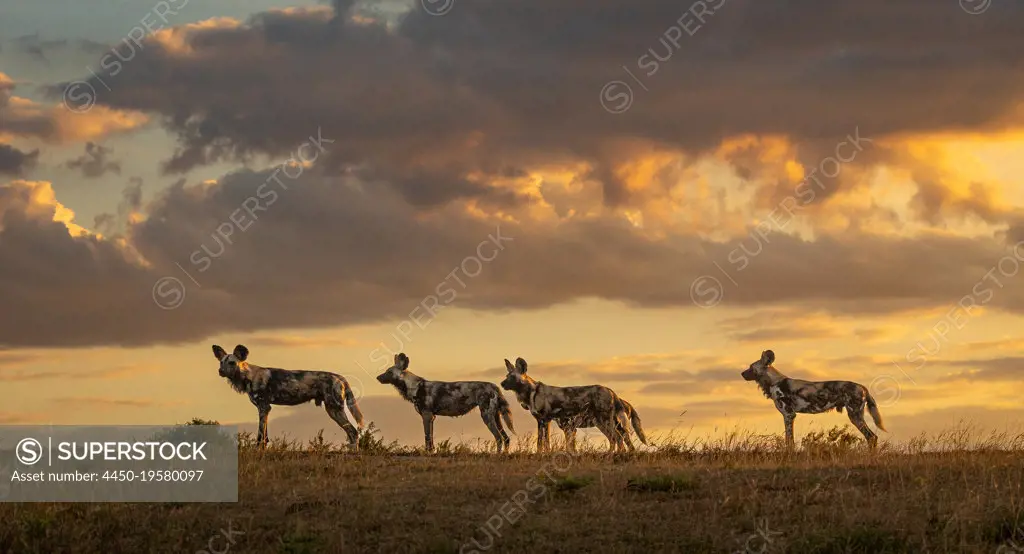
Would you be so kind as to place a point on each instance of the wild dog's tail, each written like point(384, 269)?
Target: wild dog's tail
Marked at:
point(505, 412)
point(634, 418)
point(350, 400)
point(875, 415)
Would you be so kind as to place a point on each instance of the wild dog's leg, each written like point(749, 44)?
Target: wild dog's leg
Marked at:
point(505, 440)
point(622, 427)
point(568, 427)
point(262, 436)
point(337, 413)
point(856, 415)
point(263, 411)
point(617, 426)
point(490, 417)
point(260, 426)
point(624, 433)
point(788, 418)
point(428, 430)
point(496, 409)
point(543, 428)
point(608, 429)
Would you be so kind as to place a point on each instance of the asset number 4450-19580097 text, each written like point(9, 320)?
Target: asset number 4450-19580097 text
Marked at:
point(151, 475)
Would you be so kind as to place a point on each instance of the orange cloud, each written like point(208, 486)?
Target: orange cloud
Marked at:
point(96, 123)
point(37, 198)
point(95, 402)
point(26, 119)
point(111, 373)
point(297, 341)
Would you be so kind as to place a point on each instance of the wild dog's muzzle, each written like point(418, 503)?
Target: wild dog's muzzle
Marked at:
point(748, 375)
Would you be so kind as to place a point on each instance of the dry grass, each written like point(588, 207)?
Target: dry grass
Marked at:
point(951, 493)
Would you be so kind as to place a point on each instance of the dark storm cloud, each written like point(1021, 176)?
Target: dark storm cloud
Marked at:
point(95, 161)
point(520, 80)
point(18, 121)
point(14, 161)
point(437, 108)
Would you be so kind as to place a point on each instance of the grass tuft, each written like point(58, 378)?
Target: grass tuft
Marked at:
point(662, 483)
point(570, 483)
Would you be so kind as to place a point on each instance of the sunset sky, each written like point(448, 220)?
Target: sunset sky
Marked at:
point(677, 187)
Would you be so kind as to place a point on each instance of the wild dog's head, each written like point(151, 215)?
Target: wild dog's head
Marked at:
point(760, 367)
point(231, 364)
point(396, 373)
point(516, 377)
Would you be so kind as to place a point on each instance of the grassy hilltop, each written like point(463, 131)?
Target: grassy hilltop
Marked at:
point(743, 493)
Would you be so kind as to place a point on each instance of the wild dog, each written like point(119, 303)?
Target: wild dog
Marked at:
point(267, 386)
point(570, 425)
point(452, 399)
point(796, 396)
point(573, 408)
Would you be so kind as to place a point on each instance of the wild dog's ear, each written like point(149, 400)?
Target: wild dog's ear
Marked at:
point(521, 365)
point(402, 361)
point(219, 352)
point(509, 367)
point(768, 357)
point(241, 353)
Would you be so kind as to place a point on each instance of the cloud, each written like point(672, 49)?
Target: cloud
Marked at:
point(101, 403)
point(879, 333)
point(37, 47)
point(95, 163)
point(635, 368)
point(438, 131)
point(14, 161)
point(298, 341)
point(513, 85)
point(129, 211)
point(24, 118)
point(1013, 344)
point(109, 373)
point(681, 370)
point(304, 262)
point(781, 325)
point(16, 358)
point(1005, 368)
